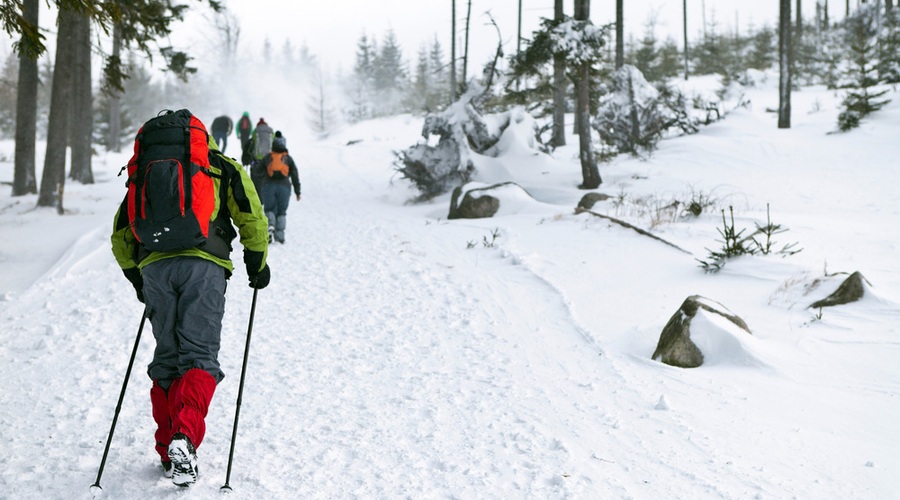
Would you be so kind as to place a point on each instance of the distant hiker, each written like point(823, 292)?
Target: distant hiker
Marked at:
point(280, 172)
point(221, 129)
point(260, 143)
point(244, 129)
point(177, 258)
point(261, 138)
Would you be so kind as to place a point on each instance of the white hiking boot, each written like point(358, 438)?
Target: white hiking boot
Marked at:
point(184, 460)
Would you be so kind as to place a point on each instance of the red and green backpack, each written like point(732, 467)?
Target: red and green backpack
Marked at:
point(170, 188)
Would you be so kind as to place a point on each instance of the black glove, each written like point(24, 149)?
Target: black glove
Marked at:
point(260, 280)
point(134, 276)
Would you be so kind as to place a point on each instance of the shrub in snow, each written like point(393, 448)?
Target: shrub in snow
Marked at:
point(735, 244)
point(634, 115)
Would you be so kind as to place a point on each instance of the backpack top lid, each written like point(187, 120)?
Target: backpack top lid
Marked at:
point(171, 134)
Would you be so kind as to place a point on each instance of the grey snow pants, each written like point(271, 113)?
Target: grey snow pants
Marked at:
point(186, 300)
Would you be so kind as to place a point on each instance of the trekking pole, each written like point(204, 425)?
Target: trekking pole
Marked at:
point(95, 488)
point(237, 408)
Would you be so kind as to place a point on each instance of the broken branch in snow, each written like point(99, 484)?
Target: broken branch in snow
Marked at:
point(620, 222)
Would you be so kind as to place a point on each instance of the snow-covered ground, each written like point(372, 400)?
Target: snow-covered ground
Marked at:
point(397, 354)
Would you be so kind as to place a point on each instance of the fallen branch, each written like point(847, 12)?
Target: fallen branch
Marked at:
point(579, 210)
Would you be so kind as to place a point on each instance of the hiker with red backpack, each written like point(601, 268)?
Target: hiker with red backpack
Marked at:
point(172, 238)
point(280, 172)
point(243, 129)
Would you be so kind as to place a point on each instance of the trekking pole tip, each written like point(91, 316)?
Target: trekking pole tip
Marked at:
point(225, 489)
point(96, 491)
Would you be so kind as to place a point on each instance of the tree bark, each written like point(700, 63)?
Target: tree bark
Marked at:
point(82, 116)
point(589, 171)
point(620, 34)
point(24, 181)
point(785, 57)
point(53, 178)
point(559, 88)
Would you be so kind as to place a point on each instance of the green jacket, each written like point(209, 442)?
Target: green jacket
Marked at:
point(242, 208)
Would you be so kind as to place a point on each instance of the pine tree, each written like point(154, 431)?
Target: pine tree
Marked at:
point(860, 100)
point(139, 101)
point(438, 95)
point(8, 80)
point(321, 115)
point(646, 56)
point(389, 77)
point(762, 52)
point(670, 59)
point(306, 60)
point(418, 95)
point(889, 47)
point(712, 53)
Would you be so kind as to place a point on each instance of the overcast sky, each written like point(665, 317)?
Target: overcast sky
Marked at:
point(332, 29)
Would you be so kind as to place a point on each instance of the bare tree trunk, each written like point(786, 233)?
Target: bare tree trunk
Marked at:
point(620, 35)
point(589, 171)
point(684, 3)
point(82, 121)
point(784, 64)
point(24, 181)
point(799, 27)
point(453, 54)
point(54, 175)
point(465, 68)
point(559, 88)
point(519, 39)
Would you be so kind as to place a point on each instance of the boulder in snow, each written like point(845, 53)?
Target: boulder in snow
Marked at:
point(476, 200)
point(678, 347)
point(851, 290)
point(587, 201)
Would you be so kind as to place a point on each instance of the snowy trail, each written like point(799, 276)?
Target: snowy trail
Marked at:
point(414, 381)
point(388, 360)
point(424, 359)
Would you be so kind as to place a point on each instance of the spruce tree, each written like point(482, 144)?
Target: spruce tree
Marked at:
point(889, 47)
point(862, 75)
point(762, 52)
